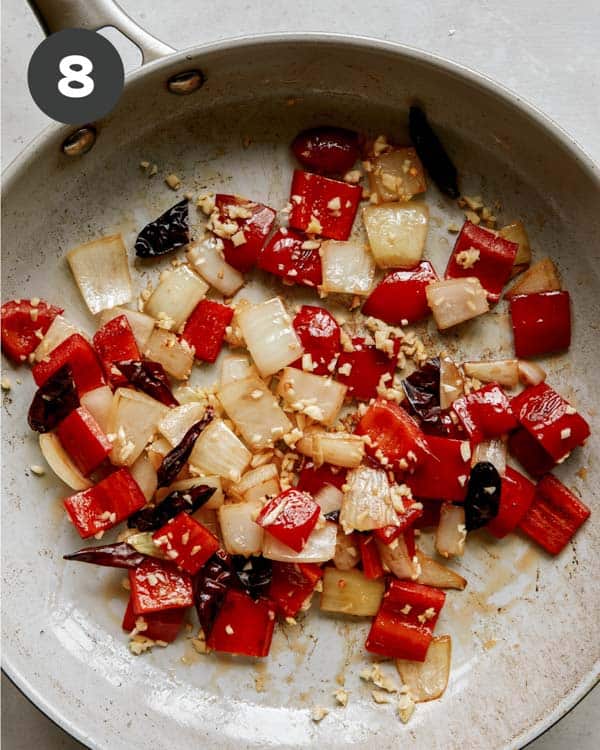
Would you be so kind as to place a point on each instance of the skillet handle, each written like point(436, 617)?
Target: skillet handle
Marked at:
point(55, 15)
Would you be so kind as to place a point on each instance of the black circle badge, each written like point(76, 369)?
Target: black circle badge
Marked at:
point(75, 76)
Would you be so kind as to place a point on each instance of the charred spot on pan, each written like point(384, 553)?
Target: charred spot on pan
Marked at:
point(186, 82)
point(79, 142)
point(165, 234)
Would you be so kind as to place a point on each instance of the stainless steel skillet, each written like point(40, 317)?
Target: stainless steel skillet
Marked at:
point(525, 630)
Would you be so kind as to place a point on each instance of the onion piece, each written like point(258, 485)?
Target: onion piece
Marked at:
point(319, 397)
point(219, 451)
point(501, 371)
point(241, 534)
point(540, 277)
point(101, 271)
point(177, 294)
point(347, 267)
point(236, 367)
point(329, 498)
point(60, 462)
point(141, 324)
point(144, 473)
point(337, 448)
point(453, 301)
point(157, 450)
point(173, 353)
point(367, 502)
point(347, 555)
point(177, 421)
point(530, 373)
point(208, 260)
point(351, 593)
point(133, 420)
point(397, 233)
point(255, 412)
point(319, 547)
point(438, 576)
point(451, 382)
point(397, 175)
point(516, 232)
point(493, 451)
point(395, 558)
point(269, 335)
point(99, 403)
point(427, 680)
point(451, 532)
point(59, 331)
point(256, 483)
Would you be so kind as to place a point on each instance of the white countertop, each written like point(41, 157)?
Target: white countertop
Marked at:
point(542, 49)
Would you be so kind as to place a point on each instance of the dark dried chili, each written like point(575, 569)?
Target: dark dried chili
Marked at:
point(156, 516)
point(120, 555)
point(483, 495)
point(150, 377)
point(210, 586)
point(174, 461)
point(164, 234)
point(432, 153)
point(422, 389)
point(53, 401)
point(255, 574)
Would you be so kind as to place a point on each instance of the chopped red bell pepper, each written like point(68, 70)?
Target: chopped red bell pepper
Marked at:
point(529, 453)
point(312, 479)
point(394, 438)
point(403, 627)
point(369, 555)
point(254, 227)
point(186, 542)
point(485, 413)
point(319, 334)
point(515, 498)
point(368, 366)
point(106, 504)
point(444, 471)
point(413, 511)
point(115, 342)
point(323, 206)
point(290, 517)
point(289, 254)
point(291, 585)
point(494, 264)
point(327, 150)
point(205, 328)
point(551, 420)
point(157, 585)
point(541, 323)
point(78, 353)
point(160, 626)
point(409, 541)
point(554, 515)
point(83, 440)
point(23, 326)
point(243, 626)
point(400, 298)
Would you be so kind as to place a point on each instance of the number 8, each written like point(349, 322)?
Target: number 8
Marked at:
point(79, 76)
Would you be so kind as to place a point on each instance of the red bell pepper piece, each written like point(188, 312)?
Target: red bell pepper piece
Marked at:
point(551, 420)
point(409, 541)
point(23, 325)
point(494, 265)
point(106, 504)
point(83, 440)
point(285, 256)
point(327, 150)
point(319, 334)
point(406, 521)
point(323, 206)
point(369, 555)
point(115, 342)
point(401, 296)
point(290, 517)
point(243, 626)
point(157, 585)
point(78, 353)
point(394, 438)
point(186, 542)
point(255, 228)
point(205, 328)
point(541, 323)
point(485, 413)
point(397, 632)
point(312, 479)
point(160, 626)
point(368, 365)
point(291, 586)
point(444, 472)
point(516, 496)
point(529, 453)
point(554, 515)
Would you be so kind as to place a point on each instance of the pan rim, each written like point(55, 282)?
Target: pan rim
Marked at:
point(537, 117)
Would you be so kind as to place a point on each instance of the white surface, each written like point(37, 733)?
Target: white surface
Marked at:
point(548, 58)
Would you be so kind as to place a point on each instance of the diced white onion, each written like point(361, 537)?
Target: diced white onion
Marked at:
point(236, 367)
point(318, 397)
point(397, 175)
point(219, 451)
point(540, 277)
point(133, 420)
point(395, 558)
point(348, 267)
point(99, 403)
point(516, 232)
point(438, 576)
point(144, 473)
point(501, 371)
point(397, 233)
point(157, 450)
point(241, 534)
point(172, 353)
point(351, 593)
point(347, 554)
point(451, 382)
point(530, 373)
point(269, 335)
point(329, 498)
point(101, 271)
point(256, 483)
point(208, 260)
point(319, 547)
point(177, 294)
point(453, 301)
point(337, 448)
point(58, 332)
point(494, 451)
point(177, 421)
point(427, 680)
point(141, 324)
point(451, 533)
point(60, 462)
point(367, 503)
